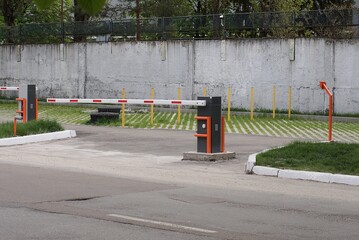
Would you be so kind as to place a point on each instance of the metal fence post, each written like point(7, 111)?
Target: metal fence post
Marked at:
point(19, 32)
point(111, 28)
point(62, 32)
point(163, 28)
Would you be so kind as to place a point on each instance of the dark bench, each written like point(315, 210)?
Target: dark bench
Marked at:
point(105, 116)
point(109, 109)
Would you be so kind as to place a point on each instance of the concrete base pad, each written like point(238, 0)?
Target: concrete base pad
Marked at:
point(198, 156)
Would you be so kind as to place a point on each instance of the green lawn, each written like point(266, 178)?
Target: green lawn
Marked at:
point(32, 127)
point(339, 158)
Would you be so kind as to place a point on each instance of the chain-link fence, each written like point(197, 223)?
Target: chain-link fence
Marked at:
point(342, 23)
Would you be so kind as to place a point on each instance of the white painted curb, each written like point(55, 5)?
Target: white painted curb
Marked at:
point(37, 138)
point(265, 171)
point(305, 175)
point(344, 179)
point(251, 163)
point(302, 175)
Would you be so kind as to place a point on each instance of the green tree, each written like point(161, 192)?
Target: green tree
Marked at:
point(239, 6)
point(274, 18)
point(281, 5)
point(12, 9)
point(116, 10)
point(82, 11)
point(329, 4)
point(92, 7)
point(53, 14)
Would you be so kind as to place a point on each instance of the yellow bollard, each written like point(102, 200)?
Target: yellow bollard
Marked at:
point(289, 101)
point(179, 107)
point(204, 92)
point(229, 105)
point(252, 103)
point(123, 107)
point(152, 97)
point(274, 101)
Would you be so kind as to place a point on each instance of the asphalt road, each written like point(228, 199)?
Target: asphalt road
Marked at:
point(113, 183)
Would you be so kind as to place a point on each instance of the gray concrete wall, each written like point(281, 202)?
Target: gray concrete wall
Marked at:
point(101, 70)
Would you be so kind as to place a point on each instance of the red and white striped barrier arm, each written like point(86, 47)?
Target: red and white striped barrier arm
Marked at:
point(130, 101)
point(9, 88)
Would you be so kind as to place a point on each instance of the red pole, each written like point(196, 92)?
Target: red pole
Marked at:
point(330, 117)
point(15, 127)
point(209, 135)
point(37, 110)
point(330, 125)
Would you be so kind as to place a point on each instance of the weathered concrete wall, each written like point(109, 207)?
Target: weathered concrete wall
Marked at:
point(101, 70)
point(138, 67)
point(56, 70)
point(264, 63)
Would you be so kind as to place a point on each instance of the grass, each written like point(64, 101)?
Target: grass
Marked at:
point(338, 158)
point(32, 127)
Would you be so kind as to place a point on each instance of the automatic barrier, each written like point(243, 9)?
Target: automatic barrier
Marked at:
point(210, 123)
point(130, 101)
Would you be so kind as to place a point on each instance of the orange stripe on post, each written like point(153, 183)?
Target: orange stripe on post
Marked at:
point(223, 134)
point(208, 135)
point(24, 118)
point(200, 118)
point(37, 110)
point(200, 135)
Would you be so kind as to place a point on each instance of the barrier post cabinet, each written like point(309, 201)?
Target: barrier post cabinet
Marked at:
point(28, 92)
point(212, 133)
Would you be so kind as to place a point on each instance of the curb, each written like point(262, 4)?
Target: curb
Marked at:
point(37, 138)
point(251, 168)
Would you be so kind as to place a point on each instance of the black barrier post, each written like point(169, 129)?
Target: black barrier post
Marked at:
point(28, 92)
point(213, 110)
